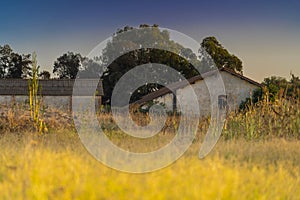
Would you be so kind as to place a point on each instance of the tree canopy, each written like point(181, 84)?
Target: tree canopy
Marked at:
point(278, 86)
point(221, 56)
point(275, 87)
point(67, 65)
point(180, 59)
point(13, 65)
point(45, 75)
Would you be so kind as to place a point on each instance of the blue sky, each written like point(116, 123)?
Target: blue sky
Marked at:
point(264, 34)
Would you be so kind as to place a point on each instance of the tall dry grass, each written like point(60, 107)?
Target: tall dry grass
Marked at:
point(56, 166)
point(263, 120)
point(257, 157)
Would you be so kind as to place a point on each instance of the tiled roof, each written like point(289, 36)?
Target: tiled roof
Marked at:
point(51, 87)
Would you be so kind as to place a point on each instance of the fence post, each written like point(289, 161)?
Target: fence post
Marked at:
point(70, 104)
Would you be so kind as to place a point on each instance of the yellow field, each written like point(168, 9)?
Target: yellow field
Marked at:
point(56, 166)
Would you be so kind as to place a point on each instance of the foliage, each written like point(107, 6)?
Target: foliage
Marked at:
point(35, 98)
point(44, 75)
point(278, 87)
point(67, 65)
point(220, 55)
point(13, 65)
point(266, 119)
point(16, 118)
point(90, 68)
point(275, 88)
point(257, 95)
point(139, 38)
point(263, 120)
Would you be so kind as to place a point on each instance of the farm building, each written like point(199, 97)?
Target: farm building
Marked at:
point(56, 93)
point(237, 87)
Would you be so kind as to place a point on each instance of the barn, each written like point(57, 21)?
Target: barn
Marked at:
point(56, 93)
point(238, 88)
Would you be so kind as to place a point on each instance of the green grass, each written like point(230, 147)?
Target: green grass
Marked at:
point(57, 166)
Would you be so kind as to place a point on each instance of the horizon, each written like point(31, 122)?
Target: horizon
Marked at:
point(264, 35)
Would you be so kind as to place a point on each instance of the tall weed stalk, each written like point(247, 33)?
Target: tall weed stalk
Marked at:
point(35, 98)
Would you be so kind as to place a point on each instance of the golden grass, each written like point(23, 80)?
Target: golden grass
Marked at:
point(56, 166)
point(257, 157)
point(261, 121)
point(266, 119)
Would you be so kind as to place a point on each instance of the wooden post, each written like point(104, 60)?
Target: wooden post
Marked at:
point(70, 104)
point(98, 102)
point(174, 103)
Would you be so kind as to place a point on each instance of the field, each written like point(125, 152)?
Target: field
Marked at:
point(56, 166)
point(257, 157)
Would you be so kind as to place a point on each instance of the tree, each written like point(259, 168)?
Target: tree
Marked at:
point(13, 65)
point(19, 66)
point(274, 88)
point(67, 65)
point(139, 38)
point(273, 85)
point(280, 87)
point(294, 90)
point(5, 59)
point(91, 68)
point(220, 55)
point(45, 75)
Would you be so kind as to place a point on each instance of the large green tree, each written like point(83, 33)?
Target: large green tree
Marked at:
point(67, 65)
point(181, 59)
point(13, 65)
point(220, 55)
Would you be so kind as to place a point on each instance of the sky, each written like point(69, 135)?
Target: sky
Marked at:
point(265, 35)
